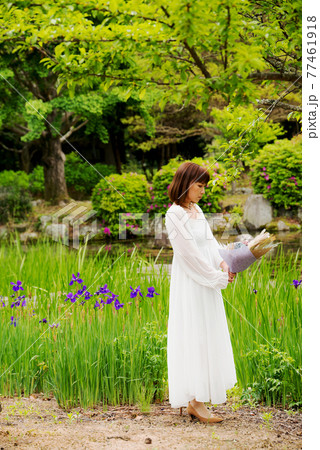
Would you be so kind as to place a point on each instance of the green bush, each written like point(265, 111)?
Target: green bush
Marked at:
point(36, 181)
point(82, 177)
point(19, 179)
point(275, 376)
point(15, 200)
point(109, 204)
point(160, 200)
point(277, 173)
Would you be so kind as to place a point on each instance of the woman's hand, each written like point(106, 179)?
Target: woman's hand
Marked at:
point(224, 266)
point(232, 276)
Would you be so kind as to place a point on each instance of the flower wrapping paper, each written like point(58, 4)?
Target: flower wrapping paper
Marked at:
point(238, 258)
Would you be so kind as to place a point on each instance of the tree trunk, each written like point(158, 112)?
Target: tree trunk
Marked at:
point(55, 188)
point(26, 157)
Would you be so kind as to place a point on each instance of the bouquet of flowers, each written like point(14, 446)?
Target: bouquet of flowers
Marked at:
point(240, 256)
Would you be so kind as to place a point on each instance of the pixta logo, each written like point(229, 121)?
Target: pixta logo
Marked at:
point(70, 223)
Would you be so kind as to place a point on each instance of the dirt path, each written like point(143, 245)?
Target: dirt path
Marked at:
point(39, 423)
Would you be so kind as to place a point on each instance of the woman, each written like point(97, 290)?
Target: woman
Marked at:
point(199, 353)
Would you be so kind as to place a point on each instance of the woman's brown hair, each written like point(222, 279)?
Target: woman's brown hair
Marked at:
point(187, 173)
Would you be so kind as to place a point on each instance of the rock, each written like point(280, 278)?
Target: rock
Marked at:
point(244, 190)
point(36, 203)
point(257, 212)
point(44, 221)
point(217, 222)
point(148, 440)
point(32, 236)
point(57, 230)
point(272, 227)
point(20, 227)
point(282, 226)
point(87, 229)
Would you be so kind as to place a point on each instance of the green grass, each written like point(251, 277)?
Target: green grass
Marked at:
point(108, 356)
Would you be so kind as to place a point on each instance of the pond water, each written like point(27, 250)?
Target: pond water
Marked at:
point(290, 242)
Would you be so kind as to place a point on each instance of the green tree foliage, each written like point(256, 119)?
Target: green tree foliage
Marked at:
point(39, 109)
point(237, 125)
point(205, 53)
point(81, 177)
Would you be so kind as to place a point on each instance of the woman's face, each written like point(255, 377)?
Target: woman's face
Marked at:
point(195, 192)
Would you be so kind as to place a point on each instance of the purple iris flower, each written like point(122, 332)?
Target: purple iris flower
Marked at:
point(135, 292)
point(87, 295)
point(81, 291)
point(13, 321)
point(296, 283)
point(52, 325)
point(18, 301)
point(255, 291)
point(97, 304)
point(43, 320)
point(113, 297)
point(75, 279)
point(103, 290)
point(151, 292)
point(17, 286)
point(117, 304)
point(2, 304)
point(72, 297)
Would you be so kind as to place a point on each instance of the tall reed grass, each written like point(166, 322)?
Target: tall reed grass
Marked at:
point(109, 356)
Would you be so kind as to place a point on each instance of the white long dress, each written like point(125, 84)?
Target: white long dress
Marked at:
point(199, 352)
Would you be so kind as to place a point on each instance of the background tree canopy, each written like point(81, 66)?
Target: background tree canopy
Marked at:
point(70, 60)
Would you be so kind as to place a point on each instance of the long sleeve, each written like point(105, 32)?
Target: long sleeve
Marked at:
point(214, 246)
point(212, 241)
point(187, 252)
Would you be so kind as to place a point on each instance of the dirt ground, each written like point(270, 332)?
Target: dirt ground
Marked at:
point(38, 422)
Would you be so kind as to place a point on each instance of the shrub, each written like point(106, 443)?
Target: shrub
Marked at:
point(109, 204)
point(153, 343)
point(19, 179)
point(160, 200)
point(274, 375)
point(15, 200)
point(277, 173)
point(82, 177)
point(36, 181)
